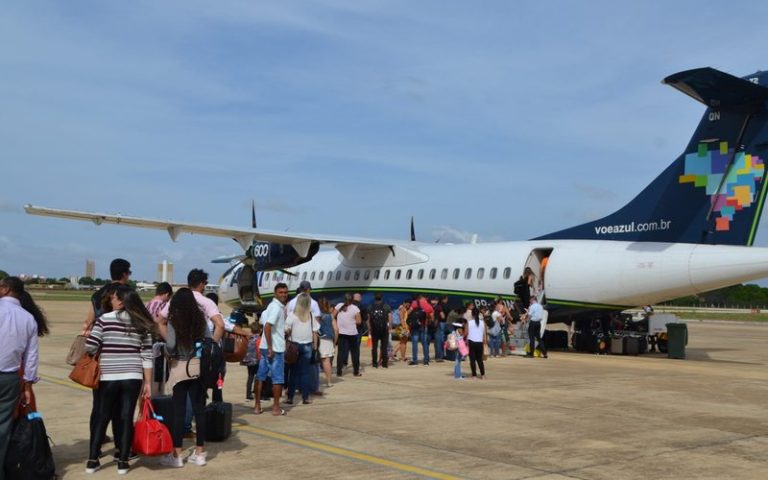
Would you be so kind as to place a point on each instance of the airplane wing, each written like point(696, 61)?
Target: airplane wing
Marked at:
point(244, 236)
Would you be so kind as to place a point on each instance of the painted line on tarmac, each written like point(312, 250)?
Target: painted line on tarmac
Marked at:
point(343, 452)
point(65, 383)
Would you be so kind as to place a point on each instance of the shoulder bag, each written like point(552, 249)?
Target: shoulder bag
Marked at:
point(86, 371)
point(76, 351)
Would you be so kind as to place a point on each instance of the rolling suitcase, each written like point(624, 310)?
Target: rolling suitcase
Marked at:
point(617, 345)
point(163, 406)
point(632, 345)
point(218, 421)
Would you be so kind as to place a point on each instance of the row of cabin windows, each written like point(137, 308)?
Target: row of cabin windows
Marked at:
point(479, 274)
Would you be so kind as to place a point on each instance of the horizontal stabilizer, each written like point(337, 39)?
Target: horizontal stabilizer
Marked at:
point(719, 90)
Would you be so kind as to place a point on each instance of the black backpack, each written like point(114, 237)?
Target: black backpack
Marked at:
point(29, 453)
point(416, 318)
point(211, 362)
point(378, 316)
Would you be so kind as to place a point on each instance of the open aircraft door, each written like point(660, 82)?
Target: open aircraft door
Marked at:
point(537, 261)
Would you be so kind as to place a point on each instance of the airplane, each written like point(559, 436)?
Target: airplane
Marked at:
point(689, 231)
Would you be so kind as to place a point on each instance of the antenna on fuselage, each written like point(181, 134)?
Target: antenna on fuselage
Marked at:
point(413, 231)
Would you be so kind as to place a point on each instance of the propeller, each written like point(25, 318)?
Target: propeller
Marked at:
point(253, 214)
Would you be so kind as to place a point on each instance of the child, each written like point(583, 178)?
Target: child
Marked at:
point(251, 360)
point(459, 333)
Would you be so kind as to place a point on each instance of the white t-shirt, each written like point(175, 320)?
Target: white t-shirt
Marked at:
point(275, 316)
point(476, 331)
point(346, 320)
point(300, 331)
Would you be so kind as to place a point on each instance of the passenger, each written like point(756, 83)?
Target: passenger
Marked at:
point(441, 308)
point(123, 340)
point(186, 325)
point(362, 327)
point(379, 328)
point(476, 337)
point(328, 334)
point(302, 329)
point(101, 302)
point(163, 293)
point(348, 319)
point(19, 347)
point(534, 316)
point(458, 331)
point(469, 312)
point(314, 374)
point(251, 360)
point(420, 333)
point(272, 348)
point(494, 333)
point(402, 331)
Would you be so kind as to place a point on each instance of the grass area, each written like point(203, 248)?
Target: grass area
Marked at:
point(71, 295)
point(735, 317)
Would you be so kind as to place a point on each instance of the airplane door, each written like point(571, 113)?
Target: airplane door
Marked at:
point(537, 264)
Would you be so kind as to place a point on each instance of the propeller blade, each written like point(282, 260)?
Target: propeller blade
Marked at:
point(413, 231)
point(253, 214)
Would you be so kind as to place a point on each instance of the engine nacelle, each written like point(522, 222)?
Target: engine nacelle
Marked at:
point(272, 256)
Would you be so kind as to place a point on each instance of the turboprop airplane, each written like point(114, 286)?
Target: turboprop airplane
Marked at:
point(689, 231)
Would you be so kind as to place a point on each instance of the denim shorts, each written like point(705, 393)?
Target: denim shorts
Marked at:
point(274, 368)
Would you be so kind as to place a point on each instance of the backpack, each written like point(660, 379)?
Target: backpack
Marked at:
point(29, 453)
point(452, 342)
point(378, 316)
point(416, 318)
point(520, 288)
point(211, 362)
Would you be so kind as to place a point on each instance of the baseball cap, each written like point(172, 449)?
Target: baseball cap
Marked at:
point(305, 285)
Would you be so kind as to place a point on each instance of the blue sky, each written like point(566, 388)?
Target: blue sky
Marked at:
point(504, 119)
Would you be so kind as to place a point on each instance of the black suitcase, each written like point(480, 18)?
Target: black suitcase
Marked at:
point(556, 339)
point(631, 345)
point(163, 406)
point(266, 389)
point(643, 343)
point(218, 421)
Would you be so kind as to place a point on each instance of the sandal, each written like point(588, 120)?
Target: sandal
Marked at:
point(282, 412)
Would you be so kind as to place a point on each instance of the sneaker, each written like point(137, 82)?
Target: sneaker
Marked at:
point(197, 459)
point(123, 467)
point(91, 466)
point(131, 456)
point(412, 363)
point(170, 461)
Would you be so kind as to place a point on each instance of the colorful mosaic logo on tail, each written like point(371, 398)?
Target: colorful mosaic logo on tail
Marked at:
point(730, 191)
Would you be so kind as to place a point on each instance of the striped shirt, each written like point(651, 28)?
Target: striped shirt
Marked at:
point(124, 353)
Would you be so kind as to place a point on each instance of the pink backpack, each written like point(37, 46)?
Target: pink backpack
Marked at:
point(463, 348)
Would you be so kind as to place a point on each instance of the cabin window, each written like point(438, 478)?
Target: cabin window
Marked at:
point(480, 273)
point(493, 272)
point(376, 274)
point(408, 274)
point(357, 274)
point(266, 277)
point(507, 273)
point(444, 274)
point(397, 274)
point(432, 274)
point(330, 276)
point(338, 275)
point(468, 273)
point(320, 277)
point(420, 274)
point(386, 274)
point(367, 275)
point(304, 276)
point(456, 272)
point(347, 274)
point(312, 276)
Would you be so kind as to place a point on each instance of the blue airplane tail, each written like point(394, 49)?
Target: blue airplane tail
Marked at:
point(714, 192)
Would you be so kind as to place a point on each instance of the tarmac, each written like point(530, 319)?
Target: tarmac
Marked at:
point(572, 415)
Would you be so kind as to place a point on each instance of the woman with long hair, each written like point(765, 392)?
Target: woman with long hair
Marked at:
point(476, 337)
point(347, 319)
point(328, 334)
point(186, 325)
point(402, 330)
point(302, 329)
point(123, 340)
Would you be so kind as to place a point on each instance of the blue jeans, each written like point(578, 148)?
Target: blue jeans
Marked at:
point(495, 344)
point(417, 335)
point(439, 340)
point(299, 373)
point(457, 367)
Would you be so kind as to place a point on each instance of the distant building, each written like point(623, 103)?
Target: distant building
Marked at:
point(165, 272)
point(90, 268)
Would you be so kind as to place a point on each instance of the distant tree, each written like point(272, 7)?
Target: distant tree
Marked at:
point(99, 281)
point(86, 281)
point(63, 280)
point(3, 274)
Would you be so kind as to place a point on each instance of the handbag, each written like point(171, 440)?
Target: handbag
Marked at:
point(150, 436)
point(291, 352)
point(235, 347)
point(76, 351)
point(86, 371)
point(28, 454)
point(463, 348)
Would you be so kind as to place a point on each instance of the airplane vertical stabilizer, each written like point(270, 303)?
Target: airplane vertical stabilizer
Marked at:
point(714, 192)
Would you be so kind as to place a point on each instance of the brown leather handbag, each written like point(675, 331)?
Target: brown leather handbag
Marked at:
point(235, 347)
point(86, 372)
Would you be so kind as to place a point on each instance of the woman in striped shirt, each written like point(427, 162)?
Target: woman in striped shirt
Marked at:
point(123, 339)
